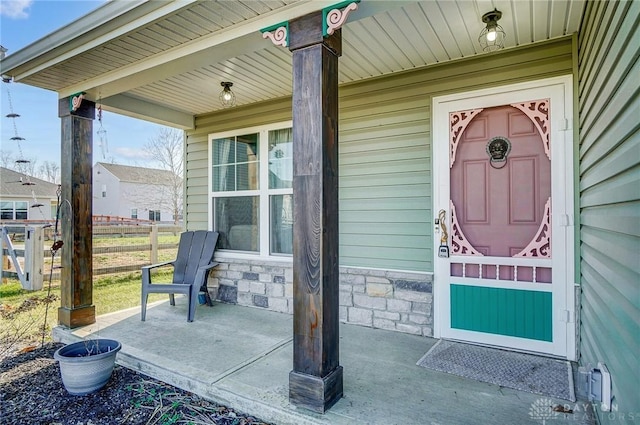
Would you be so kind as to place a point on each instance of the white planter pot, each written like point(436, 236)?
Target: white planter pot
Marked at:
point(86, 366)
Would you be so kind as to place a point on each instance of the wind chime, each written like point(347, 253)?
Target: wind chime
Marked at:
point(102, 133)
point(21, 162)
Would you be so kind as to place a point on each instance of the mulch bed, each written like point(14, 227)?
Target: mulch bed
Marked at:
point(31, 392)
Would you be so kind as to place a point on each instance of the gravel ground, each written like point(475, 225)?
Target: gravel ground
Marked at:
point(31, 393)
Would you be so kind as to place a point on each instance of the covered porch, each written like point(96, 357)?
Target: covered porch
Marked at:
point(166, 61)
point(241, 356)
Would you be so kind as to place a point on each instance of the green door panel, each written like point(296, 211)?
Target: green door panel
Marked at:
point(510, 312)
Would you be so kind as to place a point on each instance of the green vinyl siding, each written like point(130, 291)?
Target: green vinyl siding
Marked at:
point(609, 169)
point(510, 312)
point(386, 216)
point(385, 191)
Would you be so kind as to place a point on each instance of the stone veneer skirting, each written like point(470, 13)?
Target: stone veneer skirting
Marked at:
point(393, 300)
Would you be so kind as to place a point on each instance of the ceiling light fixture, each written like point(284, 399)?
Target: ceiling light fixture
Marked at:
point(492, 36)
point(227, 97)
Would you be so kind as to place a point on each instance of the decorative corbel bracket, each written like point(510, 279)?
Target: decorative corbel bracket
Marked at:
point(278, 34)
point(75, 101)
point(333, 17)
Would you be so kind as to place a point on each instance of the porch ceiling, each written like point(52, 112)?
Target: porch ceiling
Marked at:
point(164, 61)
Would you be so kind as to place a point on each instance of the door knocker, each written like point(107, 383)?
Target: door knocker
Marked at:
point(498, 148)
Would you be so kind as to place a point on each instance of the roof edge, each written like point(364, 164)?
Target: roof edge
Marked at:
point(74, 29)
point(77, 34)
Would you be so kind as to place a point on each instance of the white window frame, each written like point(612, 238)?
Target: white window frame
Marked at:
point(150, 210)
point(13, 203)
point(263, 192)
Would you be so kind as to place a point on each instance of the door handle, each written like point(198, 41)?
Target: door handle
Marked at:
point(443, 250)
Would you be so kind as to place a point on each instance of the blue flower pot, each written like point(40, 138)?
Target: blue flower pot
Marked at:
point(86, 366)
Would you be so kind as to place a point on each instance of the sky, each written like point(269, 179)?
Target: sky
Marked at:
point(23, 22)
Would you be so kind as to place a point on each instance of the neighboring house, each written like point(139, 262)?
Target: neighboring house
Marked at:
point(132, 192)
point(26, 198)
point(490, 198)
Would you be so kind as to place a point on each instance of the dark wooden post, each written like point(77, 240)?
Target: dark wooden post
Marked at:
point(316, 379)
point(76, 277)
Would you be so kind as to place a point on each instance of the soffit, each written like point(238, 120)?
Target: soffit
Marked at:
point(178, 26)
point(394, 36)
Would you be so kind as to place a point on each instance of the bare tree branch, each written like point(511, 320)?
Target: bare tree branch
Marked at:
point(166, 149)
point(6, 159)
point(49, 171)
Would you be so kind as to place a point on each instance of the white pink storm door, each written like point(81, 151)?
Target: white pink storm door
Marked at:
point(503, 206)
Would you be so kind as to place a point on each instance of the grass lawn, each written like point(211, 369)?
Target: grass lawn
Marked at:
point(22, 313)
point(168, 247)
point(163, 238)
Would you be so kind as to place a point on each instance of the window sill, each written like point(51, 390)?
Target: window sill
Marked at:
point(231, 255)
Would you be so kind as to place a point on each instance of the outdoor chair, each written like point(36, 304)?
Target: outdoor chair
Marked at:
point(190, 270)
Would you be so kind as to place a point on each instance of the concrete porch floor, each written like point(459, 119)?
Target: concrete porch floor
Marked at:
point(241, 357)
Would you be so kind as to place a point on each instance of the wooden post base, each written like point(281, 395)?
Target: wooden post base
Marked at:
point(77, 317)
point(315, 393)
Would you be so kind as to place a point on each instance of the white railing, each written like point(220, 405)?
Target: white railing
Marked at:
point(31, 277)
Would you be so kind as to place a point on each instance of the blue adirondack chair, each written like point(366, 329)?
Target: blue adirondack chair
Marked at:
point(190, 270)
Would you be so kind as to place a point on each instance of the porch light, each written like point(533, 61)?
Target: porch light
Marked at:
point(492, 36)
point(227, 97)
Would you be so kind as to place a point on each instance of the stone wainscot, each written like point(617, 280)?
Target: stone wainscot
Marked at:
point(393, 300)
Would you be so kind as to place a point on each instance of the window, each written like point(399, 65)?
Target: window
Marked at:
point(22, 210)
point(14, 210)
point(134, 213)
point(154, 215)
point(104, 190)
point(235, 163)
point(6, 210)
point(252, 190)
